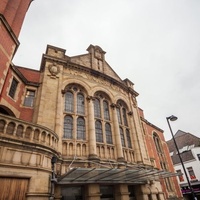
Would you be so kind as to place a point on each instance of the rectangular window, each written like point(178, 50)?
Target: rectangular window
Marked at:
point(13, 88)
point(181, 179)
point(29, 98)
point(191, 173)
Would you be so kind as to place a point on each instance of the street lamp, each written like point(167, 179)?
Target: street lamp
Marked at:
point(174, 118)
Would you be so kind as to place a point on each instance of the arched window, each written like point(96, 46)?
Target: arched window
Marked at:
point(98, 131)
point(74, 111)
point(68, 127)
point(80, 104)
point(69, 102)
point(128, 137)
point(108, 133)
point(122, 137)
point(80, 128)
point(106, 110)
point(102, 117)
point(97, 109)
point(123, 124)
point(157, 143)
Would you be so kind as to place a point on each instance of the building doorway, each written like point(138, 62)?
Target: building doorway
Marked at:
point(72, 193)
point(13, 188)
point(107, 192)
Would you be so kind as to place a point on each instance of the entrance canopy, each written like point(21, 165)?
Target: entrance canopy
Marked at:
point(112, 176)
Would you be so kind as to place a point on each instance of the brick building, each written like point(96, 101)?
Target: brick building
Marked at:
point(73, 129)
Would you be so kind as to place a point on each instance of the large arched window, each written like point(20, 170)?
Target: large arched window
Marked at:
point(108, 133)
point(123, 124)
point(74, 111)
point(80, 128)
point(68, 127)
point(98, 131)
point(102, 118)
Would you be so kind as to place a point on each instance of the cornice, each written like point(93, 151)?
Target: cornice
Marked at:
point(150, 124)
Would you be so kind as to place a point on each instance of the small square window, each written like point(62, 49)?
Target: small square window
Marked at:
point(29, 98)
point(13, 88)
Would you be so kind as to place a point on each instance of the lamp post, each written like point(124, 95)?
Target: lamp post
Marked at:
point(174, 118)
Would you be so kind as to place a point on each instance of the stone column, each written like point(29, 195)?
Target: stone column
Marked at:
point(92, 192)
point(117, 136)
point(91, 130)
point(121, 192)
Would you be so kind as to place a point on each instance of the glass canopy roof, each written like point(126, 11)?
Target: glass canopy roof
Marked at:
point(112, 175)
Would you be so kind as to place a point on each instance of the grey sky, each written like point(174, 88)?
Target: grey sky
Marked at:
point(154, 43)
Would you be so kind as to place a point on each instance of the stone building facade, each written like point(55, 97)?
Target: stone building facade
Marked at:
point(73, 129)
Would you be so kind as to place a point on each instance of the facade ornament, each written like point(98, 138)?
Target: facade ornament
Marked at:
point(54, 69)
point(130, 113)
point(89, 98)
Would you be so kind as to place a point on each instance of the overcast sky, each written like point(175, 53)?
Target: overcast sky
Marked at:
point(154, 43)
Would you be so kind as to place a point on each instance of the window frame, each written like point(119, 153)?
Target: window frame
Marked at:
point(29, 99)
point(13, 88)
point(68, 128)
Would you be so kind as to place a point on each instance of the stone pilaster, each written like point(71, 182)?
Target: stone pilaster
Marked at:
point(91, 130)
point(117, 137)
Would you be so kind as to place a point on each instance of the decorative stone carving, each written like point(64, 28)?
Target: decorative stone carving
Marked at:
point(54, 69)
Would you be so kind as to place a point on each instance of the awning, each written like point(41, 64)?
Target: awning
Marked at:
point(112, 176)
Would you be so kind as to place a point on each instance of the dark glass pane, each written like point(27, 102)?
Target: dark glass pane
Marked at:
point(29, 98)
point(97, 109)
point(128, 138)
point(13, 88)
point(124, 117)
point(68, 127)
point(80, 104)
point(108, 134)
point(119, 116)
point(69, 102)
point(80, 128)
point(122, 137)
point(106, 110)
point(98, 130)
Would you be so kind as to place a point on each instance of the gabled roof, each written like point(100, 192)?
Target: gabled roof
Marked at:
point(185, 141)
point(31, 75)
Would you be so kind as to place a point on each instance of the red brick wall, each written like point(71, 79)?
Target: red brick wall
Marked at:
point(14, 11)
point(16, 104)
point(153, 154)
point(12, 14)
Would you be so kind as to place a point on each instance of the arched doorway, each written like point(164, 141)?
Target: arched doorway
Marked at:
point(6, 111)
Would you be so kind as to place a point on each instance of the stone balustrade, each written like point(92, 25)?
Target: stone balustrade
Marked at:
point(19, 130)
